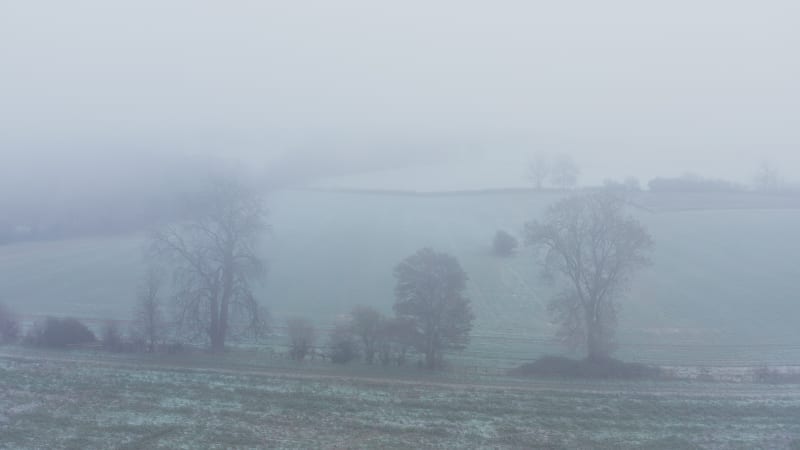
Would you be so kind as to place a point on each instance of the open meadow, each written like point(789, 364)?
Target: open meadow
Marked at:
point(61, 403)
point(721, 291)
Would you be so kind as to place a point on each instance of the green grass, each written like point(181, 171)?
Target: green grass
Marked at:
point(720, 277)
point(49, 404)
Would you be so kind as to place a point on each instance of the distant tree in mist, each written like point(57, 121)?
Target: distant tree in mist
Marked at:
point(539, 170)
point(214, 257)
point(302, 337)
point(149, 325)
point(342, 343)
point(596, 248)
point(9, 325)
point(430, 294)
point(564, 173)
point(768, 178)
point(504, 244)
point(366, 325)
point(396, 337)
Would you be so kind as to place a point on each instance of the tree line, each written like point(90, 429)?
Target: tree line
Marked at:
point(208, 263)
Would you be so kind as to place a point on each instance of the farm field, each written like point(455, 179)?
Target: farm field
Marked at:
point(48, 403)
point(721, 291)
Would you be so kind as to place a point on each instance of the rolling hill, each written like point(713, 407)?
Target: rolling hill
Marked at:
point(723, 282)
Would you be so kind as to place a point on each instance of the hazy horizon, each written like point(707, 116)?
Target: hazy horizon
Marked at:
point(330, 89)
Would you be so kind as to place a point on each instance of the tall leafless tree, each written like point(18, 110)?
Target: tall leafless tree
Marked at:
point(430, 294)
point(215, 258)
point(590, 241)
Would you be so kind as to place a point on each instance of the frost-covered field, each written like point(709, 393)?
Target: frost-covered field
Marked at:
point(62, 404)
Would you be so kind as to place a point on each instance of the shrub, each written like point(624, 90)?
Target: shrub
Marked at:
point(558, 366)
point(9, 326)
point(343, 345)
point(60, 333)
point(504, 243)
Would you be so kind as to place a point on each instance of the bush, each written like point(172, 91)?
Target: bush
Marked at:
point(504, 243)
point(558, 366)
point(9, 326)
point(60, 333)
point(343, 345)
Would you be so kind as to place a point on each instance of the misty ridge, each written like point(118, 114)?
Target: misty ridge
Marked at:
point(120, 192)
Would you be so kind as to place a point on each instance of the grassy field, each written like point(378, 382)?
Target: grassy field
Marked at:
point(722, 288)
point(46, 403)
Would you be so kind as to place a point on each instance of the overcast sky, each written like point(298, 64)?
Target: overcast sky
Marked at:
point(626, 87)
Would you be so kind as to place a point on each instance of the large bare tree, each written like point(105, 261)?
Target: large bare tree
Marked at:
point(590, 241)
point(430, 294)
point(215, 258)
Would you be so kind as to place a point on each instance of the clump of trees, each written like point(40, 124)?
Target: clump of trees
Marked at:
point(596, 248)
point(562, 171)
point(302, 337)
point(9, 326)
point(504, 244)
point(60, 333)
point(214, 258)
point(429, 294)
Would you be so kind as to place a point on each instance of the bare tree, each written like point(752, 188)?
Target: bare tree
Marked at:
point(302, 336)
point(539, 170)
point(768, 178)
point(430, 292)
point(148, 323)
point(342, 343)
point(590, 241)
point(565, 172)
point(366, 326)
point(214, 256)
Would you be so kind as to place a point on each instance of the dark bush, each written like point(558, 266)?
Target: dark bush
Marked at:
point(9, 326)
point(558, 366)
point(60, 333)
point(504, 243)
point(343, 345)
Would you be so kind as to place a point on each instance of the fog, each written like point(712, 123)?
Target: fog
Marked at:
point(465, 90)
point(399, 224)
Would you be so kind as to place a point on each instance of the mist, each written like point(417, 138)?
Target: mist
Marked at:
point(417, 224)
point(623, 87)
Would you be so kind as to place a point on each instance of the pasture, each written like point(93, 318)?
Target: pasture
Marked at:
point(722, 289)
point(47, 403)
